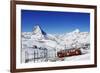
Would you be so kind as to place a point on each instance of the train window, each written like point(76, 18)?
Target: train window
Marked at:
point(74, 50)
point(59, 55)
point(77, 52)
point(67, 54)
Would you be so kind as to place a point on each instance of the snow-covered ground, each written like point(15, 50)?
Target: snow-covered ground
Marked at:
point(38, 46)
point(77, 58)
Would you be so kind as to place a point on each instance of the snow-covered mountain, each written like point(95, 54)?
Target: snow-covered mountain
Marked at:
point(67, 40)
point(38, 33)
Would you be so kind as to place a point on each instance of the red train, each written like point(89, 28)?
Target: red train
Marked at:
point(69, 52)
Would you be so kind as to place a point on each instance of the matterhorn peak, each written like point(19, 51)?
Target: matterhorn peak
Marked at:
point(38, 32)
point(36, 29)
point(76, 31)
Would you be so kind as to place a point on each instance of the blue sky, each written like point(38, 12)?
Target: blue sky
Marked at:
point(54, 22)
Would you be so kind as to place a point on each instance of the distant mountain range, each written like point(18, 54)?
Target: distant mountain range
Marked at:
point(66, 40)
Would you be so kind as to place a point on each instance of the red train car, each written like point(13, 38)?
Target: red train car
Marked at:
point(69, 52)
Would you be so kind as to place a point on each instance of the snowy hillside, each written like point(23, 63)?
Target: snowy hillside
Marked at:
point(49, 44)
